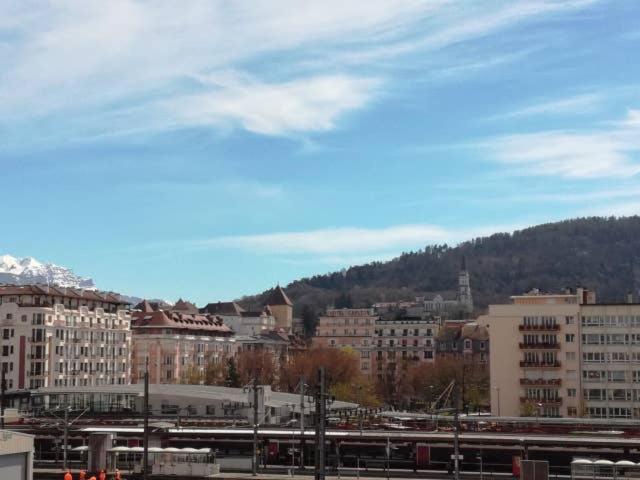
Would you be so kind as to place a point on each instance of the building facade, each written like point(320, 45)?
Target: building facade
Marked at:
point(464, 341)
point(281, 307)
point(564, 355)
point(348, 327)
point(54, 336)
point(400, 342)
point(176, 343)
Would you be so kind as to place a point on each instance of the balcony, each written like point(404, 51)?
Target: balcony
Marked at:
point(539, 346)
point(542, 401)
point(553, 382)
point(539, 328)
point(526, 364)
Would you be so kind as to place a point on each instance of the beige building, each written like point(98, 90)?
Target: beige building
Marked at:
point(281, 307)
point(564, 355)
point(348, 327)
point(54, 336)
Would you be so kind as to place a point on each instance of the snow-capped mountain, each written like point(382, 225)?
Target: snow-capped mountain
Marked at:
point(29, 270)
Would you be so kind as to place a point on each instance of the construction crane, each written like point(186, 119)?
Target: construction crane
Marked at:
point(438, 405)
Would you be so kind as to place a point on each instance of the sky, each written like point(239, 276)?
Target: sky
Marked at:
point(209, 149)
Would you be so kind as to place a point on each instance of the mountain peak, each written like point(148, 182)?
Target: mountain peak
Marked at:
point(27, 270)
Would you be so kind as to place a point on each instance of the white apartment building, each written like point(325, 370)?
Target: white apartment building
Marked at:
point(54, 336)
point(403, 341)
point(564, 355)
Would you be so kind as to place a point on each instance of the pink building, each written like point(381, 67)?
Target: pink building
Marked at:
point(176, 339)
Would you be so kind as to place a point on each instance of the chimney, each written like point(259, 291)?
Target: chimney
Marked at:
point(630, 297)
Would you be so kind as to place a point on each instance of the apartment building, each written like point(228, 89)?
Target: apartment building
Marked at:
point(176, 340)
point(564, 355)
point(348, 327)
point(400, 342)
point(463, 340)
point(55, 336)
point(609, 354)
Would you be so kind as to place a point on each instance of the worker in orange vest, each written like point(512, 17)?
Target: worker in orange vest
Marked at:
point(102, 475)
point(67, 476)
point(82, 475)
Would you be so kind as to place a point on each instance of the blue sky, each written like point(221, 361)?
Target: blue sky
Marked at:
point(210, 149)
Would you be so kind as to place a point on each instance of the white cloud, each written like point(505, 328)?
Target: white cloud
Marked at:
point(608, 152)
point(100, 68)
point(309, 104)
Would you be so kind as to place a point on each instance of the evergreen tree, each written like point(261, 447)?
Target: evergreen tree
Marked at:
point(232, 378)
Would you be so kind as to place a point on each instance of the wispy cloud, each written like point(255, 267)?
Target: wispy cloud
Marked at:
point(333, 242)
point(577, 104)
point(91, 69)
point(610, 151)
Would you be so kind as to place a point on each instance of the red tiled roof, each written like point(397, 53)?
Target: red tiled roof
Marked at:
point(178, 320)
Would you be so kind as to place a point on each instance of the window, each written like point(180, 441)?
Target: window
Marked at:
point(569, 337)
point(5, 350)
point(428, 354)
point(9, 316)
point(571, 355)
point(569, 320)
point(571, 392)
point(572, 411)
point(482, 345)
point(467, 344)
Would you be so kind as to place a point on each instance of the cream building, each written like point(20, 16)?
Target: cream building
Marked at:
point(564, 355)
point(54, 336)
point(348, 327)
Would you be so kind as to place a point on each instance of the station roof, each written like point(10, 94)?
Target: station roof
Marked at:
point(204, 392)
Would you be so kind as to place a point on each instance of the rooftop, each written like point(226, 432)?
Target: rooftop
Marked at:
point(64, 292)
point(278, 297)
point(210, 392)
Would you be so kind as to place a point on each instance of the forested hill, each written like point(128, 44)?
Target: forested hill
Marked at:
point(599, 253)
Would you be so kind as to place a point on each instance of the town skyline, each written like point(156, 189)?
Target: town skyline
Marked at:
point(288, 144)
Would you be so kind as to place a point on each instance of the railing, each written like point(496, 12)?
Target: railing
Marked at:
point(527, 364)
point(549, 327)
point(539, 346)
point(542, 401)
point(541, 381)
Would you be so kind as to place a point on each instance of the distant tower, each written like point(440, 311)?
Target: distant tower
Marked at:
point(464, 287)
point(281, 307)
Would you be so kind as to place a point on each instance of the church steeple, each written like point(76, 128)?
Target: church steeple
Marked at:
point(464, 287)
